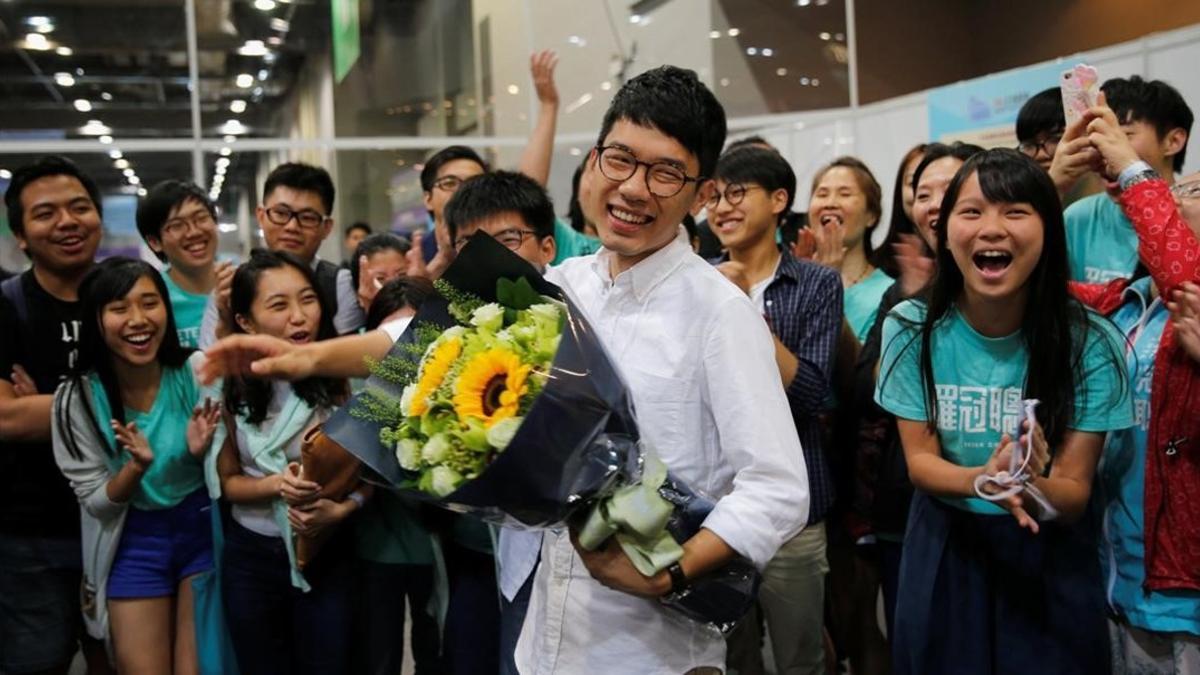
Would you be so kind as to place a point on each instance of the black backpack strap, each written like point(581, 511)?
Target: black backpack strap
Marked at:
point(327, 284)
point(11, 288)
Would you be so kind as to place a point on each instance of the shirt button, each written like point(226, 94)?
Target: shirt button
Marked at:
point(768, 303)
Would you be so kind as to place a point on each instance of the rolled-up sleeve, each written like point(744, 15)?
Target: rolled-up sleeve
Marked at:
point(88, 473)
point(769, 502)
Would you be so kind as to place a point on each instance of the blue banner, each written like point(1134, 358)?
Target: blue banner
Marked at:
point(984, 110)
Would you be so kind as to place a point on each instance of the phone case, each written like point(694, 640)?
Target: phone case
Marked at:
point(1080, 86)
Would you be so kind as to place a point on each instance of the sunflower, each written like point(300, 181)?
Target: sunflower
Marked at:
point(433, 371)
point(491, 385)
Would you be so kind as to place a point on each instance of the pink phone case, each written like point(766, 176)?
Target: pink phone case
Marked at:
point(1079, 85)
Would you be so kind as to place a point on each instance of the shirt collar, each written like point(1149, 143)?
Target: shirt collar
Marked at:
point(788, 267)
point(648, 273)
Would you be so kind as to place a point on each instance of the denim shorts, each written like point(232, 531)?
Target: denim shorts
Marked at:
point(161, 548)
point(40, 616)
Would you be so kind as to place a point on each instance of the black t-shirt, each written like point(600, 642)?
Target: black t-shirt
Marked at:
point(35, 498)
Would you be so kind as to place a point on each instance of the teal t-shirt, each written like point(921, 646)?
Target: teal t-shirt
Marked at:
point(1122, 479)
point(570, 243)
point(389, 530)
point(174, 473)
point(1101, 242)
point(980, 381)
point(862, 302)
point(188, 309)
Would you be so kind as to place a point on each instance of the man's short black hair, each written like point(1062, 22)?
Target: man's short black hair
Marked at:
point(372, 244)
point(302, 177)
point(756, 165)
point(1155, 103)
point(754, 141)
point(674, 101)
point(444, 156)
point(50, 165)
point(1041, 115)
point(492, 194)
point(156, 207)
point(397, 294)
point(358, 226)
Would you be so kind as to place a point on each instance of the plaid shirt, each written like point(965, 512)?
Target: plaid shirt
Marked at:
point(803, 307)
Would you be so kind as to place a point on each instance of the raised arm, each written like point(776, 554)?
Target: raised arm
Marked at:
point(535, 161)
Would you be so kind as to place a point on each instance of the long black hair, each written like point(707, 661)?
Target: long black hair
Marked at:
point(107, 282)
point(252, 396)
point(1055, 326)
point(884, 257)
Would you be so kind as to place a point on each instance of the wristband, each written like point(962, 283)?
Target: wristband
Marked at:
point(679, 581)
point(1135, 173)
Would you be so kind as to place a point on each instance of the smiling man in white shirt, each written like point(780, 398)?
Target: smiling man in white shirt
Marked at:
point(697, 357)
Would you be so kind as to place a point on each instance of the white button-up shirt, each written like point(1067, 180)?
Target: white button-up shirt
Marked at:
point(700, 364)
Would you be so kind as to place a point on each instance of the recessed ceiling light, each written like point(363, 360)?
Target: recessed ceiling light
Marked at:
point(38, 21)
point(263, 74)
point(129, 173)
point(229, 138)
point(264, 5)
point(751, 51)
point(237, 106)
point(83, 105)
point(733, 32)
point(64, 51)
point(106, 96)
point(95, 128)
point(724, 81)
point(635, 18)
point(253, 48)
point(767, 51)
point(825, 36)
point(605, 85)
point(141, 192)
point(121, 163)
point(106, 139)
point(115, 154)
point(514, 89)
point(280, 25)
point(781, 72)
point(275, 41)
point(804, 81)
point(223, 162)
point(816, 82)
point(233, 127)
point(245, 80)
point(64, 80)
point(134, 180)
point(225, 152)
point(37, 41)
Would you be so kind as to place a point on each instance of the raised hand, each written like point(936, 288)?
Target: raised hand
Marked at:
point(1075, 156)
point(224, 272)
point(916, 268)
point(828, 237)
point(202, 426)
point(541, 68)
point(22, 383)
point(254, 355)
point(134, 441)
point(1109, 139)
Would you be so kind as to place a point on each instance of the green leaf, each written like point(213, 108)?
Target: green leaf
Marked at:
point(517, 294)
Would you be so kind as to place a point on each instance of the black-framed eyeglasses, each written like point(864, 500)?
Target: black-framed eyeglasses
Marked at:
point(734, 194)
point(1046, 144)
point(1188, 190)
point(178, 226)
point(308, 219)
point(662, 179)
point(448, 183)
point(511, 238)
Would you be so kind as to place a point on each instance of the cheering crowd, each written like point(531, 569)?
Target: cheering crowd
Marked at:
point(859, 413)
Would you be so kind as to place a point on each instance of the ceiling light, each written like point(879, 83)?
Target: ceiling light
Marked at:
point(106, 139)
point(237, 106)
point(714, 34)
point(38, 21)
point(605, 85)
point(767, 51)
point(121, 163)
point(274, 40)
point(514, 89)
point(233, 127)
point(226, 151)
point(65, 80)
point(280, 25)
point(229, 138)
point(781, 72)
point(245, 80)
point(803, 3)
point(115, 154)
point(5, 174)
point(227, 227)
point(577, 41)
point(64, 51)
point(220, 172)
point(751, 51)
point(263, 74)
point(106, 96)
point(635, 18)
point(141, 192)
point(264, 5)
point(804, 81)
point(36, 41)
point(134, 180)
point(45, 29)
point(83, 105)
point(733, 32)
point(129, 173)
point(816, 82)
point(253, 48)
point(222, 162)
point(825, 36)
point(257, 93)
point(724, 81)
point(95, 128)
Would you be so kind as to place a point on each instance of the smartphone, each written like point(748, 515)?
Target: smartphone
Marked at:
point(1080, 86)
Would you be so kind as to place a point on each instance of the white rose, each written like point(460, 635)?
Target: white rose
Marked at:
point(408, 453)
point(436, 449)
point(444, 480)
point(489, 317)
point(406, 399)
point(545, 311)
point(502, 432)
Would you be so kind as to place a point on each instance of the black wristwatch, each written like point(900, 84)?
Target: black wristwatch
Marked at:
point(679, 581)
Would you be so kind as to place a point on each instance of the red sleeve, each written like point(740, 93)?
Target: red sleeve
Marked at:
point(1166, 245)
point(1103, 298)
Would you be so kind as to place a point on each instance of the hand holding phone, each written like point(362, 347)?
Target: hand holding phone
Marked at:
point(1080, 86)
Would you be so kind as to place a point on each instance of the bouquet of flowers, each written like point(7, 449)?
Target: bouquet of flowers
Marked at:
point(501, 402)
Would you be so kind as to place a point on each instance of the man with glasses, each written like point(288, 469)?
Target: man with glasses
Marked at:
point(179, 224)
point(1040, 125)
point(295, 216)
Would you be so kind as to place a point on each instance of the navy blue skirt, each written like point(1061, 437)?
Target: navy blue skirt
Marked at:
point(980, 595)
